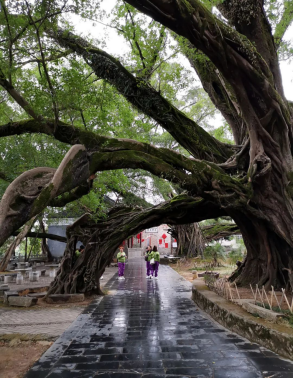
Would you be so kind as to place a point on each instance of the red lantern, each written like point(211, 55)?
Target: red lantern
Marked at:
point(143, 240)
point(160, 241)
point(166, 245)
point(164, 236)
point(175, 240)
point(138, 236)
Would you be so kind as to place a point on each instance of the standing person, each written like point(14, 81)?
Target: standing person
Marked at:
point(155, 266)
point(121, 260)
point(79, 251)
point(77, 254)
point(148, 257)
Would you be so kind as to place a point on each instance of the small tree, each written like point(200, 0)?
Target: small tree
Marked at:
point(215, 252)
point(236, 254)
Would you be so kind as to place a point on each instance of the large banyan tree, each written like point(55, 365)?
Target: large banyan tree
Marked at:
point(233, 47)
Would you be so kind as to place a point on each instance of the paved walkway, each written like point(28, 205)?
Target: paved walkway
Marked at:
point(48, 322)
point(152, 329)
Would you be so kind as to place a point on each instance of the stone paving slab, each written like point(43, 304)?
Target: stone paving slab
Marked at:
point(43, 321)
point(50, 322)
point(148, 328)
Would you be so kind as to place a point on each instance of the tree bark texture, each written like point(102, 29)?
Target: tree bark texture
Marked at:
point(19, 238)
point(102, 239)
point(190, 241)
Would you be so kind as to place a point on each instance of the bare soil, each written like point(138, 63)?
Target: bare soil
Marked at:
point(26, 353)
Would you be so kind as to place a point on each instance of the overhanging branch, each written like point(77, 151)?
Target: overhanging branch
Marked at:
point(139, 93)
point(42, 235)
point(34, 190)
point(74, 135)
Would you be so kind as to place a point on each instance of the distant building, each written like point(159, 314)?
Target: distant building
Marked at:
point(157, 236)
point(229, 244)
point(57, 226)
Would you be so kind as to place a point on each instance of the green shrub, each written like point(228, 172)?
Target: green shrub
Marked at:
point(214, 252)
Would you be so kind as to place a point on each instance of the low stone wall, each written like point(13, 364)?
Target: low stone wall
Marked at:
point(275, 337)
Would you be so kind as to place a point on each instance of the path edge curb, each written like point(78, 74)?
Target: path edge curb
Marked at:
point(242, 324)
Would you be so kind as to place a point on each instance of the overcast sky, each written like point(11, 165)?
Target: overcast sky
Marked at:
point(117, 46)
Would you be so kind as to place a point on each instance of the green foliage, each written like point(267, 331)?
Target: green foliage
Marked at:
point(280, 16)
point(214, 252)
point(235, 255)
point(223, 133)
point(33, 247)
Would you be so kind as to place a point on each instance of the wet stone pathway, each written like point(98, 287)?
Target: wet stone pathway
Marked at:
point(152, 329)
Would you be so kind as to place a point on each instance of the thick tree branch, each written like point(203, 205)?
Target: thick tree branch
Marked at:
point(229, 51)
point(19, 237)
point(139, 93)
point(31, 192)
point(71, 196)
point(220, 92)
point(74, 135)
point(44, 235)
point(265, 112)
point(249, 19)
point(219, 231)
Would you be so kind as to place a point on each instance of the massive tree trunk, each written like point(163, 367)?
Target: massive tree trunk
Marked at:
point(190, 241)
point(102, 239)
point(191, 238)
point(267, 255)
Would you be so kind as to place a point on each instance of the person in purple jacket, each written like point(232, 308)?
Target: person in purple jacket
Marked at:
point(155, 266)
point(147, 259)
point(121, 262)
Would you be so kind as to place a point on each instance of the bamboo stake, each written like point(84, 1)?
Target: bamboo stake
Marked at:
point(281, 301)
point(252, 293)
point(272, 294)
point(256, 292)
point(276, 298)
point(266, 297)
point(230, 292)
point(283, 291)
point(260, 296)
point(237, 290)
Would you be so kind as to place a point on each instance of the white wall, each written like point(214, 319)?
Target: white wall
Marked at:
point(154, 236)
